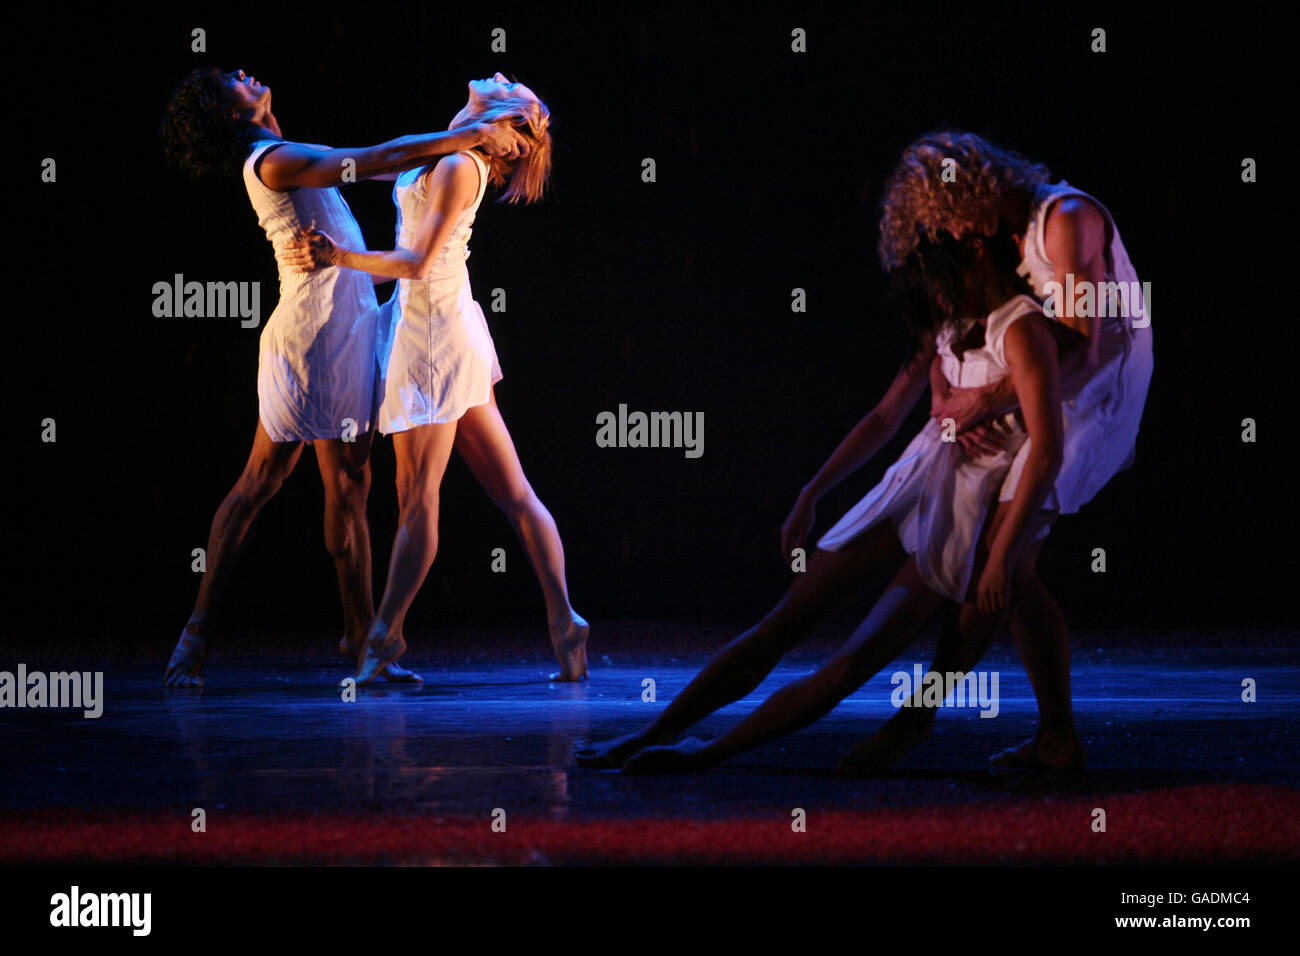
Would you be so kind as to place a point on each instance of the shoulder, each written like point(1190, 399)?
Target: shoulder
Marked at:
point(1027, 336)
point(457, 172)
point(455, 166)
point(1072, 217)
point(276, 161)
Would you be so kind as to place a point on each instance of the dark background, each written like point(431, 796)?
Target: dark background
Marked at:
point(670, 296)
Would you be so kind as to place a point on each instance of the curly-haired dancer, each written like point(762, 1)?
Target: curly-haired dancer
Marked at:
point(917, 213)
point(1069, 243)
point(316, 371)
point(439, 367)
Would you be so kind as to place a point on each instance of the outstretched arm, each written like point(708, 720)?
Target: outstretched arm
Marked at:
point(296, 164)
point(453, 184)
point(868, 436)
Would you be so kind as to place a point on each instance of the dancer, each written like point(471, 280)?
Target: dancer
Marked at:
point(316, 374)
point(1068, 238)
point(440, 367)
point(934, 498)
point(921, 199)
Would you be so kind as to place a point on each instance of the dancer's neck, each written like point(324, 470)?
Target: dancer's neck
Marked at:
point(269, 123)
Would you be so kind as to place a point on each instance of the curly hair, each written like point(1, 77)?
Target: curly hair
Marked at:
point(199, 135)
point(525, 178)
point(919, 205)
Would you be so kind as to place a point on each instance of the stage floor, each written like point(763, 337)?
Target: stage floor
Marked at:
point(285, 771)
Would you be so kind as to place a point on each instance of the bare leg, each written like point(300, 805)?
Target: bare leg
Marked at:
point(743, 664)
point(345, 476)
point(1043, 640)
point(893, 623)
point(484, 442)
point(422, 455)
point(269, 463)
point(961, 646)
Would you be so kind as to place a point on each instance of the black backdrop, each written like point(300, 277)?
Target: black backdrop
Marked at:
point(673, 295)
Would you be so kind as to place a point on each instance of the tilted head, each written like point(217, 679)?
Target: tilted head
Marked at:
point(211, 120)
point(498, 98)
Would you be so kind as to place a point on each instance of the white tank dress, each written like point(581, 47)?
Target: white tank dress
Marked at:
point(937, 497)
point(1101, 422)
point(316, 366)
point(436, 356)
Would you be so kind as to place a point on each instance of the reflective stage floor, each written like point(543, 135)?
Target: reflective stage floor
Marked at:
point(284, 770)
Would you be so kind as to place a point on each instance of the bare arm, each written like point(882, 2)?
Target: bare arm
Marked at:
point(452, 185)
point(1031, 355)
point(867, 437)
point(296, 164)
point(876, 428)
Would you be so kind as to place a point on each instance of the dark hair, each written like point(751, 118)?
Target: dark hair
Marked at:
point(930, 285)
point(199, 135)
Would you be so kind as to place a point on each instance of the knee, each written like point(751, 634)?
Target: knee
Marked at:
point(778, 632)
point(417, 501)
point(843, 674)
point(258, 486)
point(515, 501)
point(348, 490)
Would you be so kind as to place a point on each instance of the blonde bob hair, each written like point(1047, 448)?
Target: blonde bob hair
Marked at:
point(524, 178)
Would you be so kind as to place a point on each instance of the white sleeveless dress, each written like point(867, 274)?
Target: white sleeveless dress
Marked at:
point(316, 367)
point(1101, 422)
point(436, 356)
point(936, 497)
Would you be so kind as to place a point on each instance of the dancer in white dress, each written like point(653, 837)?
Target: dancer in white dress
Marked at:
point(934, 499)
point(439, 365)
point(437, 354)
point(1075, 259)
point(316, 372)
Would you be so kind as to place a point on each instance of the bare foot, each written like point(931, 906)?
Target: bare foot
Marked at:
point(686, 754)
point(879, 752)
point(1044, 752)
point(186, 662)
point(614, 753)
point(569, 640)
point(377, 653)
point(395, 673)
